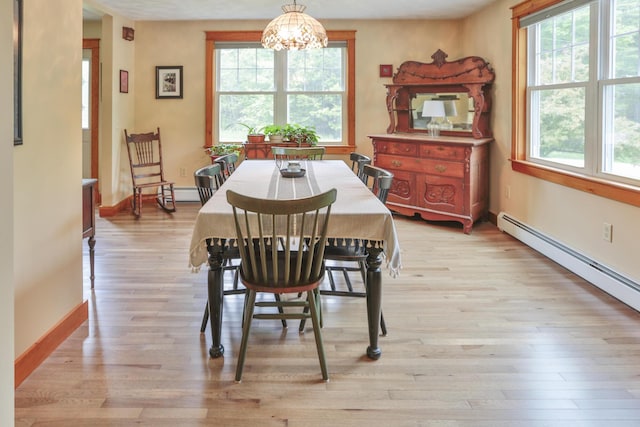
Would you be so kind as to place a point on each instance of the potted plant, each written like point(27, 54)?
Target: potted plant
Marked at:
point(218, 150)
point(254, 133)
point(300, 134)
point(275, 133)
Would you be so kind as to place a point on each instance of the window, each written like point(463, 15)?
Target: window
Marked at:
point(255, 86)
point(577, 94)
point(258, 86)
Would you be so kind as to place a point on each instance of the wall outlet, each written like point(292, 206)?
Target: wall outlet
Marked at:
point(183, 172)
point(607, 232)
point(507, 192)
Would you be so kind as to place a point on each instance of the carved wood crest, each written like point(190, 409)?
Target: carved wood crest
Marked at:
point(472, 75)
point(472, 69)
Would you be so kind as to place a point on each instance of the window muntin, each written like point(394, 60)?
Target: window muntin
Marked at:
point(258, 86)
point(580, 120)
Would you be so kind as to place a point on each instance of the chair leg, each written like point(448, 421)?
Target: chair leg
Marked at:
point(246, 327)
point(280, 310)
point(205, 318)
point(383, 325)
point(137, 202)
point(315, 318)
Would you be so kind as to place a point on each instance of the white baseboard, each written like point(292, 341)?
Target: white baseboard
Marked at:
point(605, 278)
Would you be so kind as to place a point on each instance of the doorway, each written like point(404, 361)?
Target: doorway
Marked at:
point(91, 110)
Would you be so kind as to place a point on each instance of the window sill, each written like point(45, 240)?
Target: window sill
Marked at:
point(611, 190)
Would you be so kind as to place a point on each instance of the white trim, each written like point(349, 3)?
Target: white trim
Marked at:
point(603, 277)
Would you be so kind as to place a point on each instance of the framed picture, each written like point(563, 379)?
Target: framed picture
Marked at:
point(386, 70)
point(124, 81)
point(17, 72)
point(169, 82)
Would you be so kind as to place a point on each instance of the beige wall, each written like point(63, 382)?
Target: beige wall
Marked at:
point(6, 215)
point(48, 171)
point(183, 43)
point(116, 109)
point(573, 217)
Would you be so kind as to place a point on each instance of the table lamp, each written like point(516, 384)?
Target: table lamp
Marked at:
point(435, 111)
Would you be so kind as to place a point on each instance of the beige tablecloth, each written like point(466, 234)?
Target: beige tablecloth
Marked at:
point(357, 213)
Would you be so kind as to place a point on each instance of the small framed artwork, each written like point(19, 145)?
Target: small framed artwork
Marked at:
point(386, 70)
point(169, 82)
point(124, 81)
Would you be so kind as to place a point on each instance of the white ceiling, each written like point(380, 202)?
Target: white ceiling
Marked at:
point(146, 10)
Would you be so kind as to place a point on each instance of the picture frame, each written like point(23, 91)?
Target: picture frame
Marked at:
point(124, 81)
point(17, 72)
point(169, 82)
point(386, 70)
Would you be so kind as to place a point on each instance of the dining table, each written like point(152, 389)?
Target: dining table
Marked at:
point(357, 214)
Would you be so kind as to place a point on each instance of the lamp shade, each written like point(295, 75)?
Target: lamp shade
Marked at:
point(433, 109)
point(450, 109)
point(294, 30)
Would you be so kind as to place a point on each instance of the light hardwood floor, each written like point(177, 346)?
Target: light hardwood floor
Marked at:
point(483, 331)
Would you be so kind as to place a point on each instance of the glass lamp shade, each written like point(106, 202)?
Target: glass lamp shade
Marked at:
point(294, 30)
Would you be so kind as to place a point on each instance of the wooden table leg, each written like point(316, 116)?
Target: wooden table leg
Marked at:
point(215, 288)
point(374, 300)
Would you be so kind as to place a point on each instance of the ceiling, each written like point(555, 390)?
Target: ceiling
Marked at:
point(161, 10)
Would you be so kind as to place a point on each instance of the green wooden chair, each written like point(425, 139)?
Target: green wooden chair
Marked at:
point(284, 154)
point(353, 252)
point(282, 245)
point(228, 164)
point(208, 180)
point(357, 164)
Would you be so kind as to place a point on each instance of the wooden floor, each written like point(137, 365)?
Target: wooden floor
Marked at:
point(483, 331)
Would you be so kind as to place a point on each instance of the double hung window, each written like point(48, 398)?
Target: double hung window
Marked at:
point(577, 92)
point(257, 87)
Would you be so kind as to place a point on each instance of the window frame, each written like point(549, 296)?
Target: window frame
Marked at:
point(597, 185)
point(212, 37)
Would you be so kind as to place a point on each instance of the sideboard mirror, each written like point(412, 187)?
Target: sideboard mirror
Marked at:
point(458, 90)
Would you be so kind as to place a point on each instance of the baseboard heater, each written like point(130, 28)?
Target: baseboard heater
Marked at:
point(186, 194)
point(605, 278)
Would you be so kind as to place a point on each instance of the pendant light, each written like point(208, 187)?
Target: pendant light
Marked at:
point(294, 30)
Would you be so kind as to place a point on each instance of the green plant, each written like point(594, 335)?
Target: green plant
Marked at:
point(252, 130)
point(300, 134)
point(221, 149)
point(273, 130)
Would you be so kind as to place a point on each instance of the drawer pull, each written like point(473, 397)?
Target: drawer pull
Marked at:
point(440, 168)
point(396, 163)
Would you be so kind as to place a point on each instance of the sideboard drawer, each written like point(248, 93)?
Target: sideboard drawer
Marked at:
point(392, 147)
point(387, 161)
point(442, 152)
point(443, 168)
point(415, 164)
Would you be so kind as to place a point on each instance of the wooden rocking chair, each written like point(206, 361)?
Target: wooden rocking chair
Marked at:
point(145, 159)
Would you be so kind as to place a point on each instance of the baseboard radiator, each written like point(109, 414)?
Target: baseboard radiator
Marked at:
point(186, 194)
point(605, 278)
